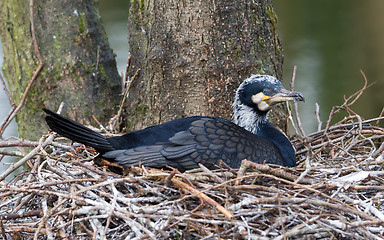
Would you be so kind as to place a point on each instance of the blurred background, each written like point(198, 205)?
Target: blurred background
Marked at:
point(329, 42)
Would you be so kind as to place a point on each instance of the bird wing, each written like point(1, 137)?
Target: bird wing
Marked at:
point(206, 141)
point(219, 139)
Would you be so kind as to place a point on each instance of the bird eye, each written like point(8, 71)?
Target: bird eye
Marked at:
point(265, 92)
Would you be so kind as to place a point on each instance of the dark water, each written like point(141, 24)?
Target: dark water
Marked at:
point(330, 42)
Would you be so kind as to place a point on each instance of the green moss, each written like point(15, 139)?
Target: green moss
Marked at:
point(102, 71)
point(256, 19)
point(87, 68)
point(53, 73)
point(278, 49)
point(9, 27)
point(81, 27)
point(272, 17)
point(18, 65)
point(273, 20)
point(261, 69)
point(62, 60)
point(143, 109)
point(260, 42)
point(82, 37)
point(137, 12)
point(141, 6)
point(232, 50)
point(136, 114)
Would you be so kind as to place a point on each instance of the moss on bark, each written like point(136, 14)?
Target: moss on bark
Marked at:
point(79, 66)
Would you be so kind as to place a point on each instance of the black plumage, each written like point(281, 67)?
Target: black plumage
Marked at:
point(186, 142)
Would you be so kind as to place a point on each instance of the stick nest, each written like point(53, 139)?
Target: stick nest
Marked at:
point(336, 192)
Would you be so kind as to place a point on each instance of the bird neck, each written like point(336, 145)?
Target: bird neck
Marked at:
point(248, 117)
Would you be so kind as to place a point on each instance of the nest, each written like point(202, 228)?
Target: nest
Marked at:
point(336, 192)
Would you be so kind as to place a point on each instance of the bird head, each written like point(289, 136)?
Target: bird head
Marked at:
point(262, 92)
point(255, 97)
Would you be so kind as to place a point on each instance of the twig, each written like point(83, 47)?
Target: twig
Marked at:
point(168, 179)
point(42, 143)
point(182, 185)
point(22, 143)
point(127, 67)
point(295, 105)
point(381, 114)
point(35, 45)
point(47, 215)
point(100, 125)
point(211, 174)
point(97, 58)
point(296, 200)
point(6, 91)
point(115, 121)
point(245, 164)
point(31, 213)
point(346, 103)
point(307, 167)
point(11, 153)
point(317, 113)
point(115, 193)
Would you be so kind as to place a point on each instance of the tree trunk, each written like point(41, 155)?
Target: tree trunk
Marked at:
point(79, 66)
point(192, 56)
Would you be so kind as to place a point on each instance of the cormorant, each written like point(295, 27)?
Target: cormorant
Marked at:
point(186, 142)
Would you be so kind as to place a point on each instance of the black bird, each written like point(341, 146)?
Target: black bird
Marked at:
point(186, 142)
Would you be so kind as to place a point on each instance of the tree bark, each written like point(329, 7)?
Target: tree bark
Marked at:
point(192, 56)
point(79, 66)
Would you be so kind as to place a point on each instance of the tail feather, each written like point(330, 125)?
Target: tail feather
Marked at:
point(77, 132)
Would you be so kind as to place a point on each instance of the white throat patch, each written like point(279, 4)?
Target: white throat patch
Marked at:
point(245, 116)
point(258, 100)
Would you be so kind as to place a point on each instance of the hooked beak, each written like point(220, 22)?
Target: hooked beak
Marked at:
point(282, 96)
